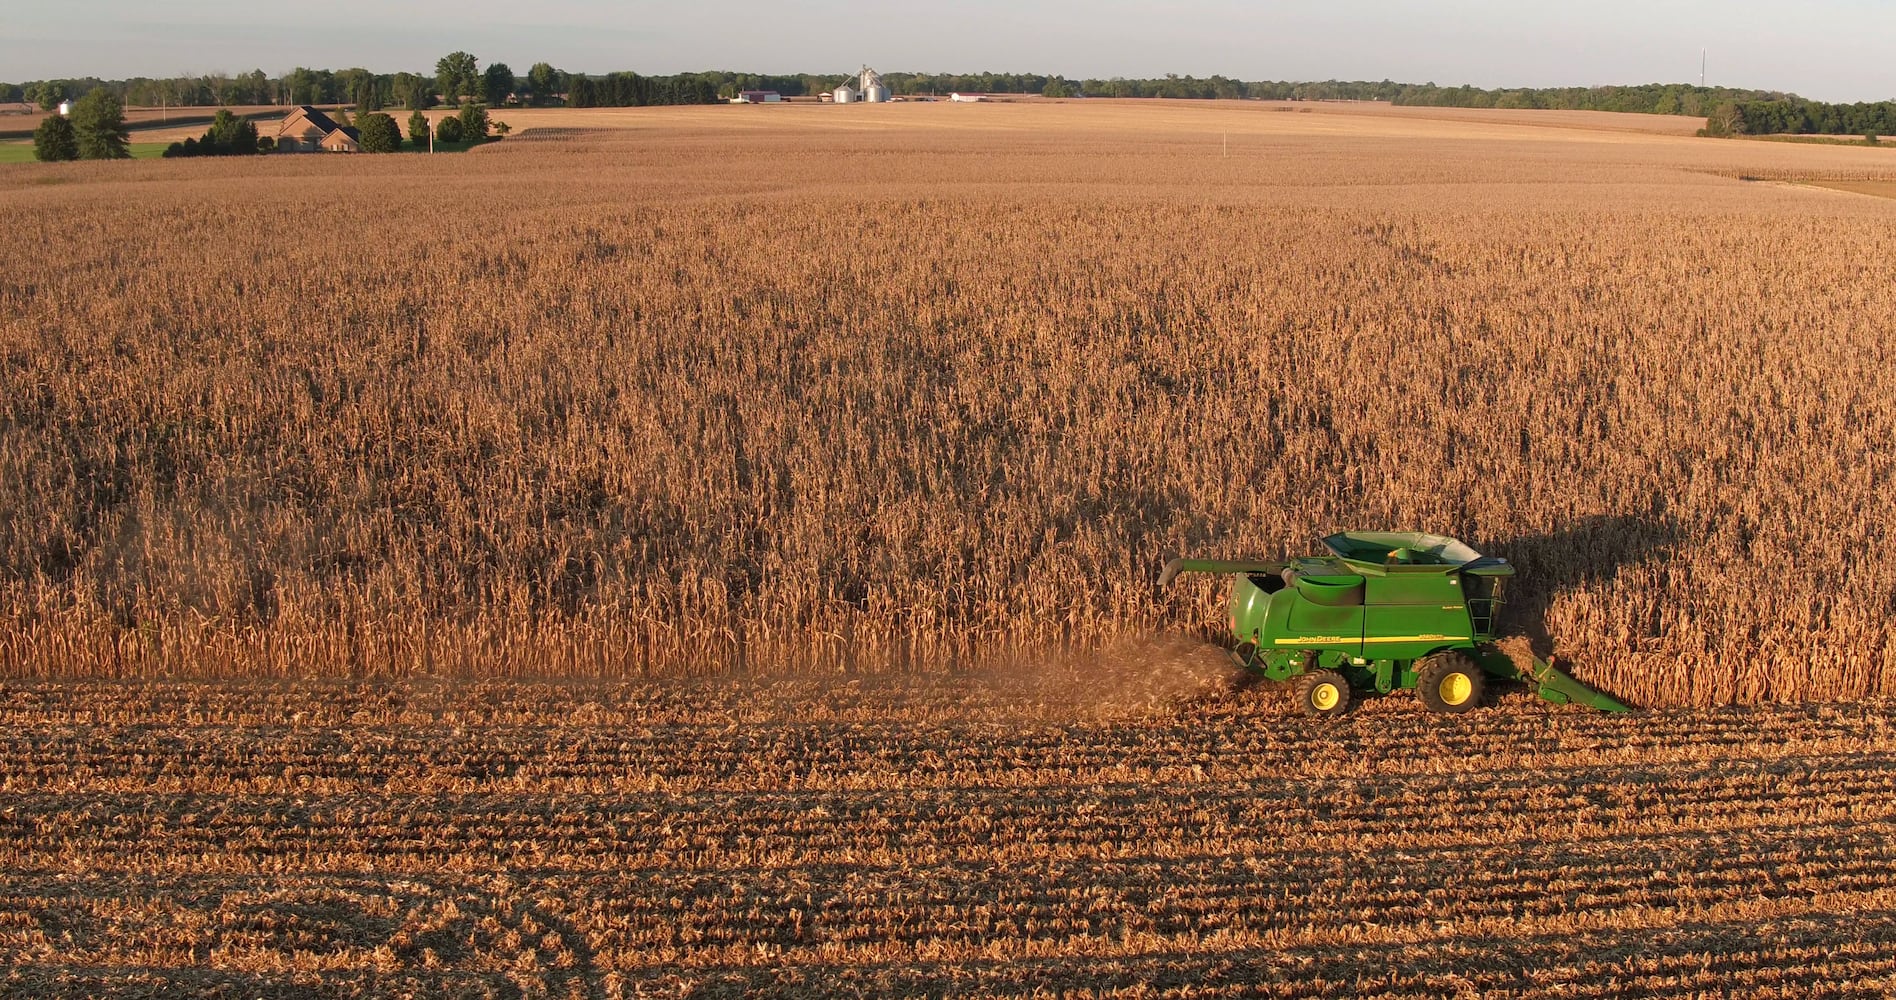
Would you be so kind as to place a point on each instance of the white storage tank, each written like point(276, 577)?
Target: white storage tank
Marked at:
point(844, 94)
point(876, 94)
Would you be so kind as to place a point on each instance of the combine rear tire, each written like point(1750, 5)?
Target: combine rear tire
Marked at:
point(1323, 693)
point(1449, 682)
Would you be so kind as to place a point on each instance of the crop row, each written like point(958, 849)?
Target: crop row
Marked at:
point(1565, 916)
point(1214, 846)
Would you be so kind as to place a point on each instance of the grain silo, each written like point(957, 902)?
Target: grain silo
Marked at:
point(844, 95)
point(873, 91)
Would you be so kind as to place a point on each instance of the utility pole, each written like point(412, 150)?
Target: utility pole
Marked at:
point(1701, 69)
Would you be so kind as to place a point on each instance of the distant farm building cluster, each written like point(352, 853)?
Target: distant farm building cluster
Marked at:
point(868, 89)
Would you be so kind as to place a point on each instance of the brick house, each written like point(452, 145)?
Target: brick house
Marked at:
point(307, 130)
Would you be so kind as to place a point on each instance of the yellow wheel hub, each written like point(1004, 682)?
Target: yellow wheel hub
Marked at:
point(1455, 689)
point(1324, 697)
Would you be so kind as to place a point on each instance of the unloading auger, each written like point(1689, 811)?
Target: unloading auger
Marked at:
point(1385, 610)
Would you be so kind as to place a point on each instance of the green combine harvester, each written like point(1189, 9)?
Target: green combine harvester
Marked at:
point(1385, 610)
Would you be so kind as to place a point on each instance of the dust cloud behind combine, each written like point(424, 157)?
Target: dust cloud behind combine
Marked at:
point(1129, 678)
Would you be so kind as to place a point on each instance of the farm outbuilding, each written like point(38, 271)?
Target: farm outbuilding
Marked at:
point(757, 97)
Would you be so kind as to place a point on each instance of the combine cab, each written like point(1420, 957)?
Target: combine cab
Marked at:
point(1384, 610)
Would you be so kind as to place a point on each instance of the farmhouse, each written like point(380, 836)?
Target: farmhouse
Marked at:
point(307, 130)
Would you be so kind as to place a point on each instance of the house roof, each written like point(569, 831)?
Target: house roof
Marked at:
point(322, 121)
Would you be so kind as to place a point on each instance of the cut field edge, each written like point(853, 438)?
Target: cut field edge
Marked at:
point(1872, 185)
point(1874, 189)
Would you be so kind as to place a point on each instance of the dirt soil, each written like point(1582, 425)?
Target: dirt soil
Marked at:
point(1117, 830)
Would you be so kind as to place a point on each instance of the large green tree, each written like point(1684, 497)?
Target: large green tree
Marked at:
point(544, 81)
point(497, 83)
point(54, 140)
point(99, 122)
point(1724, 120)
point(254, 88)
point(47, 93)
point(305, 85)
point(360, 88)
point(378, 133)
point(413, 91)
point(232, 135)
point(581, 92)
point(457, 74)
point(217, 86)
point(473, 122)
point(418, 129)
point(228, 135)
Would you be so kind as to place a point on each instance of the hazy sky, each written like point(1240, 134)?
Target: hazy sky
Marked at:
point(1837, 50)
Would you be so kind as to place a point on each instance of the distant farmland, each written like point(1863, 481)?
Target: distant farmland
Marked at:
point(145, 123)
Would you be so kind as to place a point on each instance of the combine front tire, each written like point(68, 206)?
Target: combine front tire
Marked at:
point(1449, 682)
point(1323, 693)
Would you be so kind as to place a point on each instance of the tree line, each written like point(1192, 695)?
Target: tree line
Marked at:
point(459, 77)
point(1796, 116)
point(630, 90)
point(1650, 99)
point(1728, 110)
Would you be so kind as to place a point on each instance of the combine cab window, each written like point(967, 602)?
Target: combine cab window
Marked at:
point(1483, 594)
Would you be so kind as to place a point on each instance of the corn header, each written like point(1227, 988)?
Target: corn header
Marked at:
point(1384, 610)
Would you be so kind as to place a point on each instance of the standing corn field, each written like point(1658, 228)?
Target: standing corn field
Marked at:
point(630, 419)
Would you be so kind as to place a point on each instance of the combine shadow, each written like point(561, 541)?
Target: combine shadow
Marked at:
point(1590, 551)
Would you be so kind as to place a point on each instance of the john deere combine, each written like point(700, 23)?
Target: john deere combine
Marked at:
point(1384, 610)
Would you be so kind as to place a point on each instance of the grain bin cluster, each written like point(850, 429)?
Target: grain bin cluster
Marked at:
point(869, 89)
